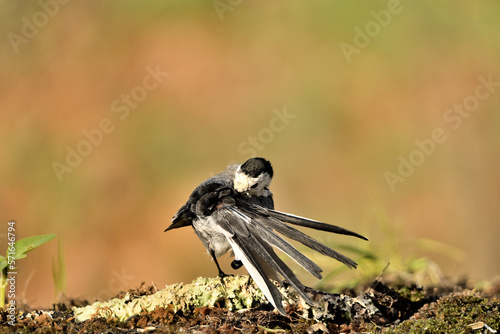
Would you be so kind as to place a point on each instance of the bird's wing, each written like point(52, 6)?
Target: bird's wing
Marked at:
point(276, 221)
point(263, 230)
point(201, 195)
point(256, 254)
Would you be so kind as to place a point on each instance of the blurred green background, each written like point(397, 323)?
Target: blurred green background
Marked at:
point(332, 92)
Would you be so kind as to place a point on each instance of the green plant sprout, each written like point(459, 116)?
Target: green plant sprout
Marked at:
point(17, 250)
point(393, 251)
point(59, 272)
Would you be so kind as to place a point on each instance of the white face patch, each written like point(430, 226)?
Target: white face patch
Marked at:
point(243, 182)
point(252, 185)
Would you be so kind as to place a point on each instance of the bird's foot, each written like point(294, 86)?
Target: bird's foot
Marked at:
point(223, 275)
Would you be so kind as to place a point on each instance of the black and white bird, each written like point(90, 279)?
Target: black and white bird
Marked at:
point(234, 211)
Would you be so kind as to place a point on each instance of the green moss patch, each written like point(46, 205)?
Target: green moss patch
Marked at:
point(454, 313)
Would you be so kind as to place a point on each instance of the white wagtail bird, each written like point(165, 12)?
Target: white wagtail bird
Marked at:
point(234, 210)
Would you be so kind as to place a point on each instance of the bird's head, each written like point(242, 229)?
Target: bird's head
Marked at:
point(254, 177)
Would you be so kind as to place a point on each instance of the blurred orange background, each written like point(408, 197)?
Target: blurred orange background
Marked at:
point(113, 112)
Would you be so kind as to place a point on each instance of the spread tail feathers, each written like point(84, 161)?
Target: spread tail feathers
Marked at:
point(258, 256)
point(301, 221)
point(276, 221)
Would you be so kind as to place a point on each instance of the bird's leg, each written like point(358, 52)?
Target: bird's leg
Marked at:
point(221, 273)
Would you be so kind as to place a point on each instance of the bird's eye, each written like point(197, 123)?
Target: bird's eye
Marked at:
point(254, 186)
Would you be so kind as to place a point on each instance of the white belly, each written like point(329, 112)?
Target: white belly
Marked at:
point(211, 237)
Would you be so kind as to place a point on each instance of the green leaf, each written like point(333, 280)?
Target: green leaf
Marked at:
point(3, 263)
point(25, 245)
point(59, 271)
